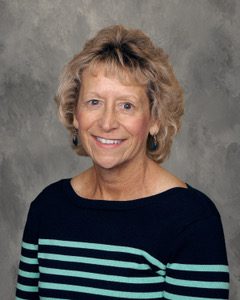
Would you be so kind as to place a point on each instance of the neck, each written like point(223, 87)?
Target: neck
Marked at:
point(123, 183)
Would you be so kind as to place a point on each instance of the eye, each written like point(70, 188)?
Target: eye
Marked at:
point(93, 102)
point(127, 106)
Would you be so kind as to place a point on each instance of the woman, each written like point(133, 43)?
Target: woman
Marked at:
point(126, 228)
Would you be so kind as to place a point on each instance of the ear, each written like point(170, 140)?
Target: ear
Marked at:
point(75, 121)
point(154, 128)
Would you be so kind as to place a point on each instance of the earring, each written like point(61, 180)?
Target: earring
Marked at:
point(153, 142)
point(75, 137)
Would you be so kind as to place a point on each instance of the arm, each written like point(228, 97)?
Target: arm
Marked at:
point(198, 267)
point(28, 275)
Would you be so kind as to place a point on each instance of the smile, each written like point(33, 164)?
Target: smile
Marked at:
point(108, 141)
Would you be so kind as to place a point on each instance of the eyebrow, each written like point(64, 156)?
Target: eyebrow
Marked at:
point(96, 94)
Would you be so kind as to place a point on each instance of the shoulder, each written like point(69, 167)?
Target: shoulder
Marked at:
point(202, 200)
point(46, 202)
point(50, 194)
point(189, 210)
point(185, 199)
point(192, 204)
point(197, 231)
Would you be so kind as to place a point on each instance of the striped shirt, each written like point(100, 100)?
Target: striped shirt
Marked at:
point(166, 246)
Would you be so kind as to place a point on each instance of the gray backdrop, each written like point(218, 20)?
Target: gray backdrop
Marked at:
point(39, 36)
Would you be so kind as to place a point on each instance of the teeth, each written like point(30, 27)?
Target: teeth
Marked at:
point(109, 142)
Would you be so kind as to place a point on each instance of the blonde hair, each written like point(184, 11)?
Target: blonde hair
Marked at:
point(130, 51)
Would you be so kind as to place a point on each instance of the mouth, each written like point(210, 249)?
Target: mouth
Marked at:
point(105, 141)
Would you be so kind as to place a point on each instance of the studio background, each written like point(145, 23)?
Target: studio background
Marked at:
point(37, 37)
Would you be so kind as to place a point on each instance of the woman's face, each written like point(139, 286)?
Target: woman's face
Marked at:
point(113, 119)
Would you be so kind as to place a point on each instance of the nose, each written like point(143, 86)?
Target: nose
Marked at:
point(108, 120)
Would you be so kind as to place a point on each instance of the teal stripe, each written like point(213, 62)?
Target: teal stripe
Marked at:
point(171, 296)
point(103, 247)
point(95, 261)
point(97, 276)
point(161, 272)
point(27, 288)
point(97, 291)
point(26, 274)
point(198, 284)
point(198, 268)
point(28, 260)
point(51, 298)
point(29, 246)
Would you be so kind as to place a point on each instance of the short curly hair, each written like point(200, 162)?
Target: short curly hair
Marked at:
point(122, 50)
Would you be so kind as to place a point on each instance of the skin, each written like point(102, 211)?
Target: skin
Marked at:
point(113, 120)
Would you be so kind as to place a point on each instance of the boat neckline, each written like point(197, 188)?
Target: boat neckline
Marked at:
point(119, 204)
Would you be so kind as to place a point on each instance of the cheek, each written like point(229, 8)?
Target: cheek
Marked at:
point(83, 120)
point(140, 127)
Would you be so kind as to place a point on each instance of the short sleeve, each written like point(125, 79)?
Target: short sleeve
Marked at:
point(28, 273)
point(198, 266)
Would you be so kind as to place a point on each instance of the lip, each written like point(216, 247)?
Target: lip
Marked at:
point(104, 142)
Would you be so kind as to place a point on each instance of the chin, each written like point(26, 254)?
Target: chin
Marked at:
point(108, 164)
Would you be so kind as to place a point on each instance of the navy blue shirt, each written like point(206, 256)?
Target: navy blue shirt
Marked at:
point(166, 246)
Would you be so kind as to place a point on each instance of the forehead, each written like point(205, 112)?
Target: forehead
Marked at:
point(125, 76)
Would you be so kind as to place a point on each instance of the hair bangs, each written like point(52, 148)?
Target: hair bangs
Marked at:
point(115, 69)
